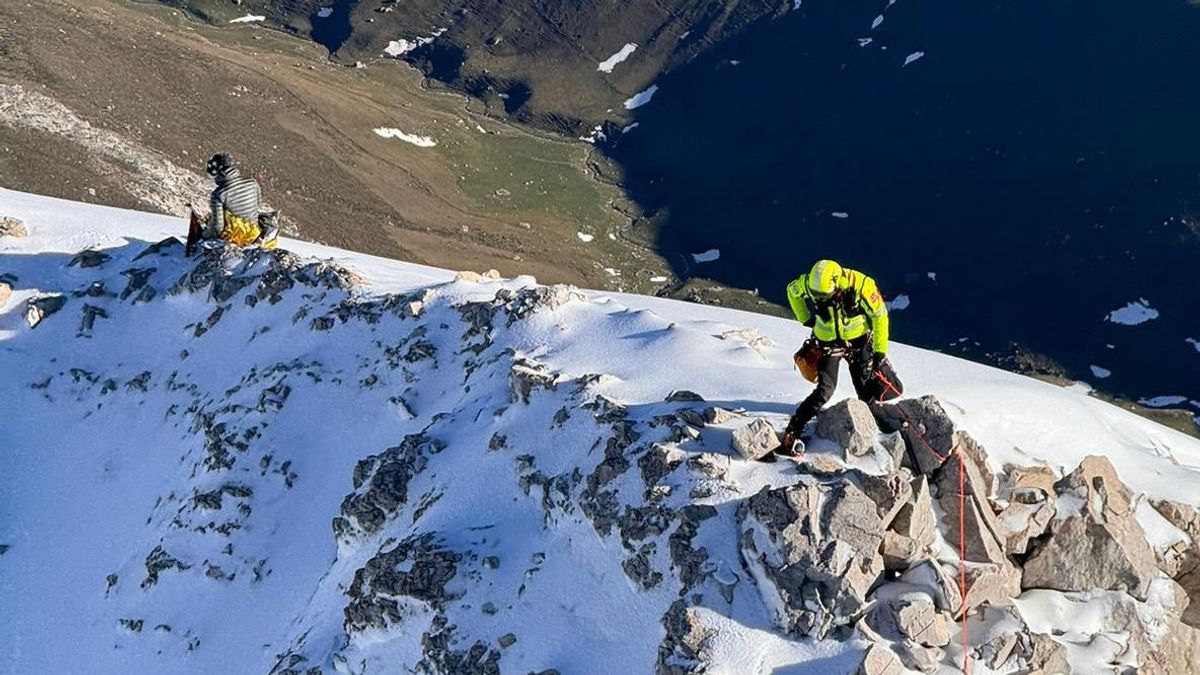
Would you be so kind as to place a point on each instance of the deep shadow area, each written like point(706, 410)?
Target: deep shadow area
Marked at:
point(1036, 169)
point(332, 31)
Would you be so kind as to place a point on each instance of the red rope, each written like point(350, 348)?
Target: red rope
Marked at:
point(962, 517)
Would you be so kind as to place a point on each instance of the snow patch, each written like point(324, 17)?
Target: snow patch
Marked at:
point(585, 237)
point(1100, 372)
point(641, 98)
point(932, 276)
point(658, 280)
point(1134, 313)
point(840, 214)
point(607, 65)
point(419, 141)
point(630, 128)
point(877, 22)
point(913, 57)
point(1194, 342)
point(708, 256)
point(898, 303)
point(863, 42)
point(398, 48)
point(324, 12)
point(249, 18)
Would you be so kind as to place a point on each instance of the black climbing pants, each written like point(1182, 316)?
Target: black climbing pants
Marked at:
point(857, 355)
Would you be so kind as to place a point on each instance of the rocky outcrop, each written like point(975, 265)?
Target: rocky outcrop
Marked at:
point(37, 309)
point(12, 227)
point(381, 484)
point(814, 550)
point(418, 568)
point(1186, 563)
point(1095, 542)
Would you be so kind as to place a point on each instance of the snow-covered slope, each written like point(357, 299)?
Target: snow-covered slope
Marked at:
point(263, 462)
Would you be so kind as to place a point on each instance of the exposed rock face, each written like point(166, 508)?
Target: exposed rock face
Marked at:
point(879, 660)
point(755, 439)
point(684, 650)
point(911, 616)
point(961, 485)
point(381, 483)
point(37, 309)
point(850, 424)
point(814, 549)
point(1030, 508)
point(1187, 569)
point(12, 227)
point(417, 568)
point(1095, 542)
point(916, 520)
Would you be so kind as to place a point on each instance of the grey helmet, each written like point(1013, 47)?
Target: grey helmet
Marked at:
point(219, 164)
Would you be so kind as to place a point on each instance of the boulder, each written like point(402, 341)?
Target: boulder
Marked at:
point(684, 396)
point(527, 375)
point(983, 536)
point(849, 424)
point(940, 583)
point(12, 227)
point(916, 519)
point(910, 616)
point(993, 584)
point(890, 493)
point(715, 415)
point(5, 293)
point(1029, 493)
point(1187, 565)
point(879, 660)
point(900, 552)
point(37, 309)
point(89, 258)
point(754, 440)
point(927, 430)
point(813, 550)
point(918, 657)
point(1096, 542)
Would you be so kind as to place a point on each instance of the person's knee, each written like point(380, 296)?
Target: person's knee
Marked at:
point(823, 392)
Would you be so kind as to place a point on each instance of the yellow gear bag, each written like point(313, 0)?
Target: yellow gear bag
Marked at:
point(239, 230)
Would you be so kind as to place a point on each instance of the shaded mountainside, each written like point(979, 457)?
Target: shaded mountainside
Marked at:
point(320, 462)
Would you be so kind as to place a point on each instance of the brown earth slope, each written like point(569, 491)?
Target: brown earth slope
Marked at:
point(96, 95)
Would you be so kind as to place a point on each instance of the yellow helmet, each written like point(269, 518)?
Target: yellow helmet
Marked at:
point(823, 279)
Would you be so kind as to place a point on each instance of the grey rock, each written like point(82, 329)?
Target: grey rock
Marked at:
point(890, 492)
point(685, 647)
point(12, 227)
point(916, 519)
point(991, 584)
point(166, 247)
point(527, 375)
point(684, 396)
point(89, 258)
point(1185, 565)
point(381, 484)
point(755, 439)
point(900, 552)
point(814, 550)
point(918, 657)
point(850, 424)
point(985, 540)
point(37, 309)
point(1102, 545)
point(90, 314)
point(912, 616)
point(715, 415)
point(418, 567)
point(879, 660)
point(938, 582)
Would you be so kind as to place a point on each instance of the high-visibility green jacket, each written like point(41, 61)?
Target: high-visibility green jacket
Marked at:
point(856, 308)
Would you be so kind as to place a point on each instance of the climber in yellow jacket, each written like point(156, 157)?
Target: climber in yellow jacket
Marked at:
point(849, 320)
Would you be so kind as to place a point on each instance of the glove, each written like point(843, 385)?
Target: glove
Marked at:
point(877, 361)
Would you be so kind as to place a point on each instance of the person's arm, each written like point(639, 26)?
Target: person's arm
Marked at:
point(795, 293)
point(216, 216)
point(872, 303)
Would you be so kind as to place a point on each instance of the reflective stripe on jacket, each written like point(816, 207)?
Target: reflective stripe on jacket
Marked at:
point(856, 308)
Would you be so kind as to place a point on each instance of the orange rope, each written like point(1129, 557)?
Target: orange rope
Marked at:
point(962, 517)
